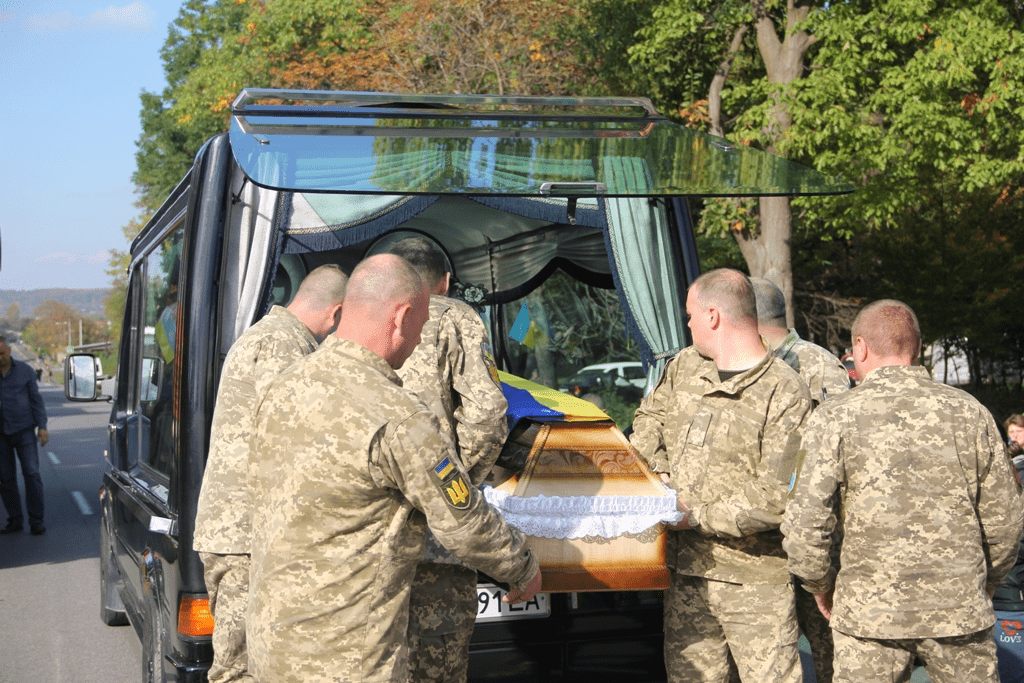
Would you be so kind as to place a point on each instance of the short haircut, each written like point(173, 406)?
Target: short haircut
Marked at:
point(323, 287)
point(771, 302)
point(425, 256)
point(1016, 419)
point(382, 280)
point(730, 291)
point(890, 329)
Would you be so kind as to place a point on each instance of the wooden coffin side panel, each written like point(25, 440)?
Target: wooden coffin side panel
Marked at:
point(589, 459)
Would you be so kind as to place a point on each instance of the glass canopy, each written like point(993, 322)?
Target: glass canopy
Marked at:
point(368, 143)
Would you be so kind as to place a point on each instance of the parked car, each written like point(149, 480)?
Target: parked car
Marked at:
point(626, 378)
point(516, 190)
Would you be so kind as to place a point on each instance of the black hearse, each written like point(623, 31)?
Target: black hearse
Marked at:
point(520, 192)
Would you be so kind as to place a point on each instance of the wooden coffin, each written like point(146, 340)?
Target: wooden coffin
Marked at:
point(568, 459)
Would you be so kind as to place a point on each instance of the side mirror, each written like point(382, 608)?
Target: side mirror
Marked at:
point(80, 377)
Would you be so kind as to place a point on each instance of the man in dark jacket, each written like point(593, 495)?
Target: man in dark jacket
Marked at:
point(21, 412)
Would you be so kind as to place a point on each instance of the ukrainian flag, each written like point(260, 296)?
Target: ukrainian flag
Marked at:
point(537, 402)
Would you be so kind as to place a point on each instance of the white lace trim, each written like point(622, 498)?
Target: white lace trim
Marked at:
point(580, 516)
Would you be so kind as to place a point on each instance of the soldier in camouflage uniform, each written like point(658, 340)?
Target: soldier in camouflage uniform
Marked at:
point(274, 342)
point(453, 372)
point(930, 509)
point(352, 469)
point(723, 426)
point(826, 377)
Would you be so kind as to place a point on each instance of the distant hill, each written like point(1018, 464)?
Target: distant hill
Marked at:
point(88, 302)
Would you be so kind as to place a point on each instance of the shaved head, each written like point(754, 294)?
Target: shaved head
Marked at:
point(889, 328)
point(323, 287)
point(385, 307)
point(381, 280)
point(730, 291)
point(425, 256)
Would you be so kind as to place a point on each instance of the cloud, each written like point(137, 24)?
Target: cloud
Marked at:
point(64, 258)
point(134, 17)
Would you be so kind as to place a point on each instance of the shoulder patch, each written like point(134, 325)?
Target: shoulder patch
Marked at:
point(492, 367)
point(456, 492)
point(444, 468)
point(452, 484)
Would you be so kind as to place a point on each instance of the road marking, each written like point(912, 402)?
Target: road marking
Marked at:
point(82, 504)
point(53, 457)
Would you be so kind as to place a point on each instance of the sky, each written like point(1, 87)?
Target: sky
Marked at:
point(71, 72)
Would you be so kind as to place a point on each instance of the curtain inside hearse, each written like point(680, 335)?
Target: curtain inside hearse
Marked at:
point(523, 236)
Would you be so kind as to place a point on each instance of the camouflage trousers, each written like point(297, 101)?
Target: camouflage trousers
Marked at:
point(442, 613)
point(957, 659)
point(227, 583)
point(814, 625)
point(706, 621)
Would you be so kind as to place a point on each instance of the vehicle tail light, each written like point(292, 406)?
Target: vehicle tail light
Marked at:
point(194, 618)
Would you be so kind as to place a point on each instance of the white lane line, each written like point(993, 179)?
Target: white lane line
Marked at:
point(53, 458)
point(82, 504)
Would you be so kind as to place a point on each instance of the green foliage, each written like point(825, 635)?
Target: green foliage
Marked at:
point(55, 325)
point(905, 96)
point(170, 136)
point(587, 324)
point(968, 258)
point(681, 45)
point(619, 409)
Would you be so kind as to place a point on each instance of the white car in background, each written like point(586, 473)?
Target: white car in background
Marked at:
point(627, 377)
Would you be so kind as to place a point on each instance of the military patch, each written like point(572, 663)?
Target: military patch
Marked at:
point(444, 468)
point(456, 492)
point(492, 367)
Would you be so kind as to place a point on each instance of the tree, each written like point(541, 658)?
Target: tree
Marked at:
point(893, 95)
point(12, 319)
point(55, 325)
point(928, 92)
point(968, 262)
point(725, 58)
point(171, 138)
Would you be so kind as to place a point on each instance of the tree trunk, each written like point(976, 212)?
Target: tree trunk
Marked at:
point(767, 248)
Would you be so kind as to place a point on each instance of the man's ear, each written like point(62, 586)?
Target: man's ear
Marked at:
point(860, 349)
point(714, 317)
point(401, 318)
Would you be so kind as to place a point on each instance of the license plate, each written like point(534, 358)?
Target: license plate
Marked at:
point(491, 607)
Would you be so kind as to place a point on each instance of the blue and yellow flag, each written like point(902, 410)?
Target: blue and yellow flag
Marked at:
point(544, 404)
point(522, 325)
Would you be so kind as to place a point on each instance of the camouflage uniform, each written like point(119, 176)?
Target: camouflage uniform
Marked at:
point(827, 378)
point(349, 463)
point(223, 517)
point(931, 515)
point(730, 448)
point(453, 372)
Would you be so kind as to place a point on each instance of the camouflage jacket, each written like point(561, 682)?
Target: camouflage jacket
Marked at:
point(929, 505)
point(826, 376)
point(352, 468)
point(730, 449)
point(269, 346)
point(452, 370)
